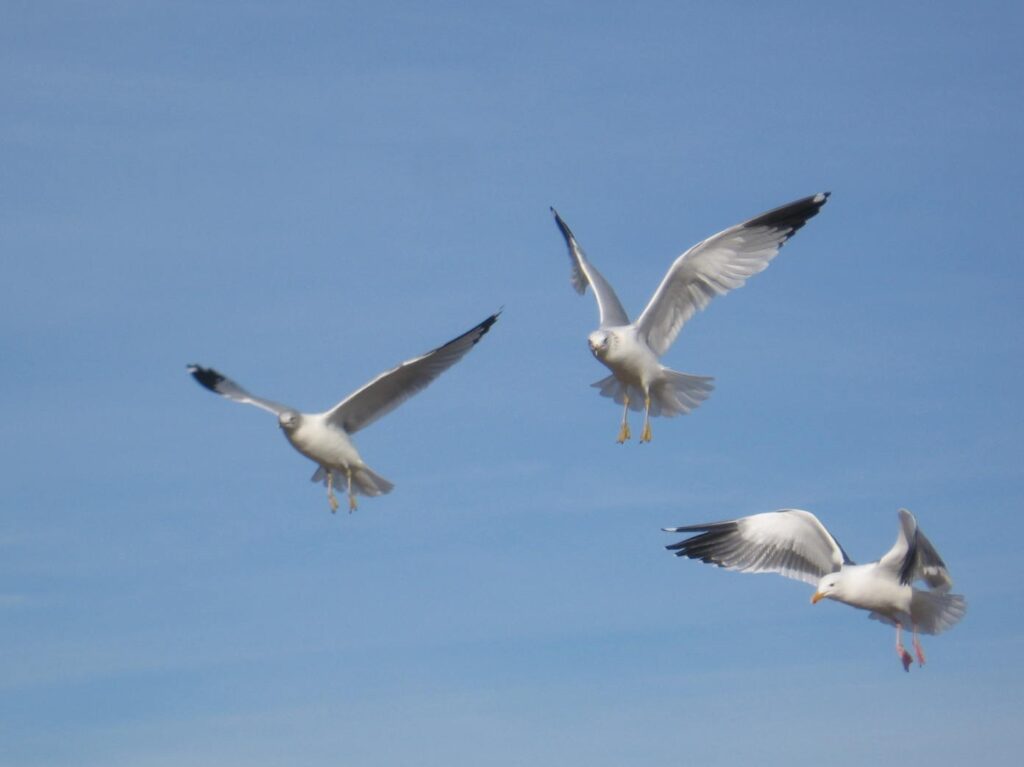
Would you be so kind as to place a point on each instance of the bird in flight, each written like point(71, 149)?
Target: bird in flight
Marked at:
point(795, 544)
point(325, 438)
point(708, 269)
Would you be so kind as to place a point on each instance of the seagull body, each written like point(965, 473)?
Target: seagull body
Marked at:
point(795, 544)
point(631, 350)
point(325, 438)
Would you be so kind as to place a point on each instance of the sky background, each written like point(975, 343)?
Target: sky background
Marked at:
point(303, 194)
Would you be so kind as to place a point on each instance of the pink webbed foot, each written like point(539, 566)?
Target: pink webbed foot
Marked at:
point(905, 658)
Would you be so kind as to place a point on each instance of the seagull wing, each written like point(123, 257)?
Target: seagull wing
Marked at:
point(717, 265)
point(225, 387)
point(584, 273)
point(789, 542)
point(389, 390)
point(913, 557)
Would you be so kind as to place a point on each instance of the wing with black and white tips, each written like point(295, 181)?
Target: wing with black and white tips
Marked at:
point(913, 557)
point(717, 265)
point(219, 384)
point(790, 542)
point(388, 390)
point(584, 273)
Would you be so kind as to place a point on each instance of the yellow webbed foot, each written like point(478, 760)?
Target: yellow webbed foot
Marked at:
point(645, 435)
point(624, 433)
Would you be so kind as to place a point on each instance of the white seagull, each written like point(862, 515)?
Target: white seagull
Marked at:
point(708, 269)
point(325, 438)
point(795, 544)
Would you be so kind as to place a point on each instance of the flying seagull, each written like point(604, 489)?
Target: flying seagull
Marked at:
point(708, 269)
point(795, 544)
point(325, 438)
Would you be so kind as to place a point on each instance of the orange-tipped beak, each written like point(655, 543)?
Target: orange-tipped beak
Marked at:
point(818, 596)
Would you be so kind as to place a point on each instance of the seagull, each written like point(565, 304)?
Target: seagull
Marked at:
point(795, 544)
point(708, 269)
point(325, 438)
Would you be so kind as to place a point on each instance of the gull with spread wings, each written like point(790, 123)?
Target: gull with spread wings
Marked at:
point(708, 269)
point(793, 543)
point(325, 438)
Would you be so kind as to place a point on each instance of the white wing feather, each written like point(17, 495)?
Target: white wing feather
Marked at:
point(584, 273)
point(717, 265)
point(388, 390)
point(790, 542)
point(220, 384)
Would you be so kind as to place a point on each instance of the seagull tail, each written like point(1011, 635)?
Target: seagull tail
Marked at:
point(679, 393)
point(365, 481)
point(614, 388)
point(369, 482)
point(675, 394)
point(934, 612)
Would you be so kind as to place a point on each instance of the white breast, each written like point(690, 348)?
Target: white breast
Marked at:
point(323, 443)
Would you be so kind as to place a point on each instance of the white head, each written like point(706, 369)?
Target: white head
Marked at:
point(829, 587)
point(599, 342)
point(289, 420)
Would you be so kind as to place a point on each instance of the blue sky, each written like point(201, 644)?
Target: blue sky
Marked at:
point(303, 194)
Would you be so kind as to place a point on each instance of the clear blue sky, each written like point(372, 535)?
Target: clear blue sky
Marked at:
point(303, 194)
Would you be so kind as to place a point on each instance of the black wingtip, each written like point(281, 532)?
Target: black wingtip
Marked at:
point(206, 377)
point(703, 546)
point(562, 226)
point(481, 329)
point(486, 324)
point(790, 218)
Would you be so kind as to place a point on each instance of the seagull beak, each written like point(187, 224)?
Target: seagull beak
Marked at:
point(818, 596)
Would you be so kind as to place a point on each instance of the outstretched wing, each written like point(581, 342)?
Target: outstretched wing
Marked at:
point(717, 265)
point(789, 542)
point(219, 384)
point(389, 390)
point(914, 558)
point(584, 273)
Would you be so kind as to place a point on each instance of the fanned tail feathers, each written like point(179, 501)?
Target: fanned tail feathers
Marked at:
point(933, 612)
point(678, 394)
point(365, 481)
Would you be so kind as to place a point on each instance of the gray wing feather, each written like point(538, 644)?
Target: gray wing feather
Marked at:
point(584, 273)
point(913, 557)
point(790, 542)
point(717, 265)
point(389, 390)
point(220, 384)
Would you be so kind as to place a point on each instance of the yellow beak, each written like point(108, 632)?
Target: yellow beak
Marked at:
point(818, 596)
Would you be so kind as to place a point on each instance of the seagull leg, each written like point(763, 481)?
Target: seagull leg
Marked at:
point(624, 429)
point(330, 491)
point(351, 498)
point(918, 651)
point(905, 658)
point(645, 436)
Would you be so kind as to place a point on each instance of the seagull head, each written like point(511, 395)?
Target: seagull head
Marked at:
point(828, 587)
point(289, 420)
point(599, 341)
